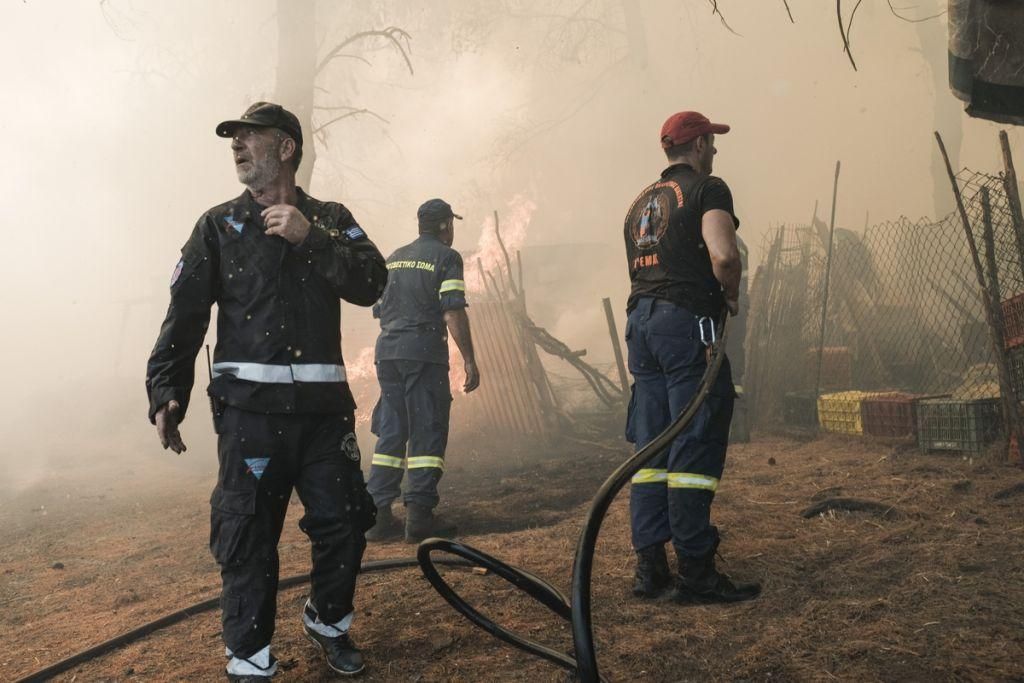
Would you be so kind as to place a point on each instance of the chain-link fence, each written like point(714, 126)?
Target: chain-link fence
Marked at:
point(904, 315)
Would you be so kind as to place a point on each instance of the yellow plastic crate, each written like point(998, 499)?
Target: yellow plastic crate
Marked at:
point(839, 413)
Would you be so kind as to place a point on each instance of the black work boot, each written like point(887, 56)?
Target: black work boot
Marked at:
point(421, 522)
point(387, 528)
point(652, 575)
point(342, 654)
point(698, 582)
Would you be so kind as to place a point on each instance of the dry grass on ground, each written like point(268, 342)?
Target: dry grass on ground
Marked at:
point(930, 589)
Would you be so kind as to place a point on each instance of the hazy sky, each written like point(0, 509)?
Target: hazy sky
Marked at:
point(112, 156)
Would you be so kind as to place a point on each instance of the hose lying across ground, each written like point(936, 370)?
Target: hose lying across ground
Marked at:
point(578, 611)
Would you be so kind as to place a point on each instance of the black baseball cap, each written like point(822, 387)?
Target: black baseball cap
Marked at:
point(433, 211)
point(265, 115)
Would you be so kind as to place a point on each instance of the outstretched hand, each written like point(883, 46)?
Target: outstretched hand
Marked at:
point(167, 419)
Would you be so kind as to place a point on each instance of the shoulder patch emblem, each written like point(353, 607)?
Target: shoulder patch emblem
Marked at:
point(177, 271)
point(355, 233)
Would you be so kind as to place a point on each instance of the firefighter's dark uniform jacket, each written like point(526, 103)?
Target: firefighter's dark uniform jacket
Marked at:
point(278, 322)
point(286, 414)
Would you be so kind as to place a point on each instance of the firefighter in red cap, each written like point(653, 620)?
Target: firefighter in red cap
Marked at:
point(684, 266)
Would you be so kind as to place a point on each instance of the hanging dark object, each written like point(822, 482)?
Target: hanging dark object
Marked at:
point(986, 58)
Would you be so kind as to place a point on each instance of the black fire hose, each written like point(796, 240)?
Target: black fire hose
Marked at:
point(584, 665)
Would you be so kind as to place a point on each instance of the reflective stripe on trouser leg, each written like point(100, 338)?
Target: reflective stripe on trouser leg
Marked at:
point(428, 402)
point(391, 425)
point(693, 478)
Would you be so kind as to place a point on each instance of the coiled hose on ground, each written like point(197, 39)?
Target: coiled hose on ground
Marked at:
point(577, 611)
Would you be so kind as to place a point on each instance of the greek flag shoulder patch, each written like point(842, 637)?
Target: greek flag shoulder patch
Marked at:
point(354, 233)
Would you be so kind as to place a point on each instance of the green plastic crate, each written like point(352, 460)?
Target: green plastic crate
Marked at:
point(945, 424)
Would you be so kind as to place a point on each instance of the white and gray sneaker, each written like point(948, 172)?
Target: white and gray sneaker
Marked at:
point(255, 669)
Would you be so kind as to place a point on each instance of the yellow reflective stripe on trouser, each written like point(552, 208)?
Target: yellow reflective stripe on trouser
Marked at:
point(426, 461)
point(386, 460)
point(453, 285)
point(650, 477)
point(681, 480)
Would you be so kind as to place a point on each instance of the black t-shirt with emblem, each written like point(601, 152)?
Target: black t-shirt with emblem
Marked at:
point(667, 256)
point(424, 280)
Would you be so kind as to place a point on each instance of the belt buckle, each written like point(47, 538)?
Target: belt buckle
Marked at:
point(707, 337)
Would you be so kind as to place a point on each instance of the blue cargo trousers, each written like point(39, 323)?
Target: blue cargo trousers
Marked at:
point(670, 498)
point(411, 423)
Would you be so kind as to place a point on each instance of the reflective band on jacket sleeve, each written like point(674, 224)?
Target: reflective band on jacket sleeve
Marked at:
point(426, 461)
point(282, 374)
point(453, 285)
point(386, 460)
point(679, 480)
point(650, 477)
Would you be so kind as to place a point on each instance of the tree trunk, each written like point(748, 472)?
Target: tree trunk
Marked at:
point(296, 73)
point(947, 112)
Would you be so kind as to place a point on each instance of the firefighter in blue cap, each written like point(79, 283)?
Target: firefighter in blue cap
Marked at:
point(276, 261)
point(685, 270)
point(424, 300)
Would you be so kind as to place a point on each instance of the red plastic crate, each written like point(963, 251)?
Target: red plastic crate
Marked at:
point(1013, 321)
point(891, 415)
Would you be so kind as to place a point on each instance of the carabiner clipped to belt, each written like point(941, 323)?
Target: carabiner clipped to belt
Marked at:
point(708, 336)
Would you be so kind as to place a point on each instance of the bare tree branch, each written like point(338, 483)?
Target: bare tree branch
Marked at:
point(842, 32)
point(353, 112)
point(908, 19)
point(392, 34)
point(849, 22)
point(721, 17)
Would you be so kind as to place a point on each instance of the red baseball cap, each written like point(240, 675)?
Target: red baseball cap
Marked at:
point(680, 128)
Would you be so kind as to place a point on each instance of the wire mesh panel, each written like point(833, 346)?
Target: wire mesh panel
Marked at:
point(904, 312)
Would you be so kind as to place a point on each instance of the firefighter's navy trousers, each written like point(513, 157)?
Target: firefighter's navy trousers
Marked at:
point(411, 422)
point(262, 457)
point(670, 498)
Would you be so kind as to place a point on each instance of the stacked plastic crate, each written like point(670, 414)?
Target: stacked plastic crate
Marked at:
point(1013, 324)
point(948, 424)
point(891, 415)
point(840, 412)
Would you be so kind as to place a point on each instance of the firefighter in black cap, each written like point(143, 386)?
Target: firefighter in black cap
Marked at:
point(424, 299)
point(276, 262)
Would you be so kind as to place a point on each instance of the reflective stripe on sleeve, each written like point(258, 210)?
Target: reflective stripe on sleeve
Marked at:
point(650, 477)
point(282, 374)
point(453, 286)
point(386, 460)
point(681, 480)
point(426, 461)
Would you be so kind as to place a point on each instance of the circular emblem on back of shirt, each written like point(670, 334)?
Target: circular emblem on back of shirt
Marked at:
point(350, 447)
point(649, 219)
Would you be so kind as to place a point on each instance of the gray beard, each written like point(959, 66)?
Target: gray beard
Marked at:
point(259, 176)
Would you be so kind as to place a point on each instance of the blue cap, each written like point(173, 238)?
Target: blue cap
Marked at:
point(434, 211)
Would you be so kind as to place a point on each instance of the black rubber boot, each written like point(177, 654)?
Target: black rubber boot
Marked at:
point(652, 575)
point(342, 654)
point(420, 523)
point(699, 582)
point(387, 528)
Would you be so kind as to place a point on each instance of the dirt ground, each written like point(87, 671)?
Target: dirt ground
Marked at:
point(932, 588)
